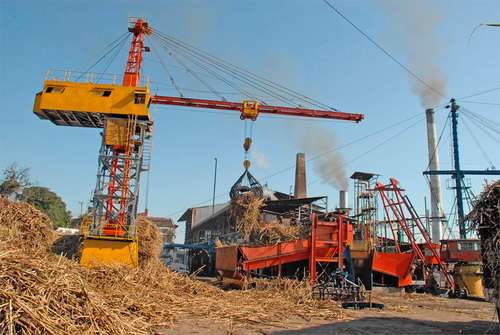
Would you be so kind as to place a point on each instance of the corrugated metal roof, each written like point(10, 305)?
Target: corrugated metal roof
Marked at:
point(223, 208)
point(200, 213)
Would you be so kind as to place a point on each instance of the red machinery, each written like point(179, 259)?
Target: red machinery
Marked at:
point(325, 245)
point(397, 265)
point(403, 212)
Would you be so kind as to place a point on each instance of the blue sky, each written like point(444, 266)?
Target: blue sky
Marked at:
point(300, 44)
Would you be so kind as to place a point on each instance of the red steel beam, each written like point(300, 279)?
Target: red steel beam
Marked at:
point(131, 77)
point(238, 106)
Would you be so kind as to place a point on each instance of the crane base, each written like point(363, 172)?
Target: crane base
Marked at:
point(98, 251)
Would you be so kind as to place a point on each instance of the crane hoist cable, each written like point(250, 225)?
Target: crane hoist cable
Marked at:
point(165, 68)
point(116, 44)
point(214, 74)
point(247, 74)
point(188, 69)
point(233, 74)
point(246, 182)
point(265, 86)
point(112, 59)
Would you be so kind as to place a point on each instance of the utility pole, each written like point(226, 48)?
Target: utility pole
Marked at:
point(457, 173)
point(215, 183)
point(81, 208)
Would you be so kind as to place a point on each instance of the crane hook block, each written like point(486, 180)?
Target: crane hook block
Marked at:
point(246, 164)
point(250, 110)
point(247, 144)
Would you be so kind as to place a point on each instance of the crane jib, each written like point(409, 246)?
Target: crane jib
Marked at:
point(239, 106)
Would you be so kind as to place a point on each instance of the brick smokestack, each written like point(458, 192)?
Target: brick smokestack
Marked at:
point(300, 176)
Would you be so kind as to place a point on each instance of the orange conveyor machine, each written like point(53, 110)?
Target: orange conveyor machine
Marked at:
point(325, 244)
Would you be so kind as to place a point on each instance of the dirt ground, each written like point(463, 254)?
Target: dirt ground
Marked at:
point(403, 314)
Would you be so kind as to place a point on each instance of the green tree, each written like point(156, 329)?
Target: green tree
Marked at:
point(15, 179)
point(49, 203)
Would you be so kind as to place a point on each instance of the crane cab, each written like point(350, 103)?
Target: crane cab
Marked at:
point(76, 104)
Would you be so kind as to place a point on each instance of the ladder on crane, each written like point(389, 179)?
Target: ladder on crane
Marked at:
point(403, 212)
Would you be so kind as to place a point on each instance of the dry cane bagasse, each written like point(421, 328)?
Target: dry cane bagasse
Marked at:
point(44, 293)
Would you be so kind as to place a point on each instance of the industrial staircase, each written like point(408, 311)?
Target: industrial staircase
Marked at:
point(146, 152)
point(403, 213)
point(328, 240)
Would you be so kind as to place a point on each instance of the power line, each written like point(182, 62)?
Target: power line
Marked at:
point(490, 124)
point(482, 128)
point(378, 145)
point(378, 46)
point(471, 133)
point(481, 93)
point(323, 153)
point(479, 102)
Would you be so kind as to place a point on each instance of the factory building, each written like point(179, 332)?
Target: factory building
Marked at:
point(203, 226)
point(211, 223)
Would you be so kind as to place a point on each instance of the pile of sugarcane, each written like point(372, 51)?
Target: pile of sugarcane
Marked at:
point(23, 224)
point(45, 293)
point(246, 210)
point(149, 240)
point(486, 218)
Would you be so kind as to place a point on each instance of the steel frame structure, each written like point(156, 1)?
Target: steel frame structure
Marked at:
point(266, 109)
point(116, 195)
point(402, 212)
point(118, 182)
point(139, 28)
point(365, 210)
point(457, 173)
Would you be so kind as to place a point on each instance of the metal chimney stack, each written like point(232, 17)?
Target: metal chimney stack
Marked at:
point(344, 201)
point(300, 176)
point(435, 180)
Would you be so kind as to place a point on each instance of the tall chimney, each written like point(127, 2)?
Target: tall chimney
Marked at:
point(435, 180)
point(300, 176)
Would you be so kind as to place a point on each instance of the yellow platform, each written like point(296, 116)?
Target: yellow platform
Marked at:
point(107, 251)
point(77, 104)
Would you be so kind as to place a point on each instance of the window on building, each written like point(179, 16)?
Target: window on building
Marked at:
point(201, 236)
point(468, 246)
point(52, 89)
